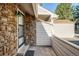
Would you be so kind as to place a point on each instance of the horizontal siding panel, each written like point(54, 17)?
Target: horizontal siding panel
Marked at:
point(42, 34)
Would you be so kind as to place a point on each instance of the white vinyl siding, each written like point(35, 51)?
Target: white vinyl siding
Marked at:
point(43, 33)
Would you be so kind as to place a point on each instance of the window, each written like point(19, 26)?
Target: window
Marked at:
point(77, 28)
point(20, 33)
point(20, 30)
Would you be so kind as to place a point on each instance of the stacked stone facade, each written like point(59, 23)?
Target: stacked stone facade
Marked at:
point(8, 29)
point(30, 29)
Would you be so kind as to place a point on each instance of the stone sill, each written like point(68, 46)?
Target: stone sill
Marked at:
point(22, 50)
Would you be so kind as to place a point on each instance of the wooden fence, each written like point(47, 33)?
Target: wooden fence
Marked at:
point(63, 47)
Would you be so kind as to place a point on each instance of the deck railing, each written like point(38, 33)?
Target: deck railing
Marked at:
point(63, 47)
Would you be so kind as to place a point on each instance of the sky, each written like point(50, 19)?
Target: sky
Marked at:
point(52, 6)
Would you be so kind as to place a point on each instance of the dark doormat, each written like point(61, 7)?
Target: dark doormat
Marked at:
point(19, 54)
point(29, 53)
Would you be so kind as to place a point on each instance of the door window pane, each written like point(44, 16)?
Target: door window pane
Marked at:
point(20, 33)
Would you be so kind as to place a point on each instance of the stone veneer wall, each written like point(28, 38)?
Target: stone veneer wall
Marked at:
point(30, 29)
point(8, 29)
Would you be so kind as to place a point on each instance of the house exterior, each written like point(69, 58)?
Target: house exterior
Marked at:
point(12, 38)
point(23, 25)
